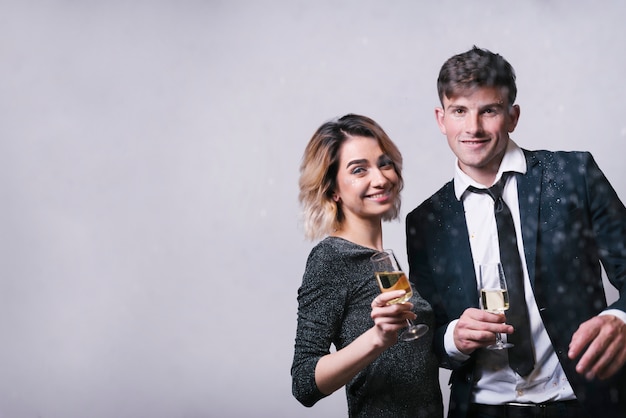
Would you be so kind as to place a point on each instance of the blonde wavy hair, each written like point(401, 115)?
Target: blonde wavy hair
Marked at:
point(318, 172)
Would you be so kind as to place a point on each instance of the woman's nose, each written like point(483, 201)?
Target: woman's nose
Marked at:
point(380, 179)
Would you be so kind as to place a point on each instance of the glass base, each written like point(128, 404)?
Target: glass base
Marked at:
point(500, 346)
point(413, 332)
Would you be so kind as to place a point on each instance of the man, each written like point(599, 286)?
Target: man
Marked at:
point(567, 221)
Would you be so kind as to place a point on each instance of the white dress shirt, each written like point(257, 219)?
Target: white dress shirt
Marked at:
point(496, 382)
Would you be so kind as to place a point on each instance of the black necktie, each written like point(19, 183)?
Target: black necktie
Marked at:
point(521, 357)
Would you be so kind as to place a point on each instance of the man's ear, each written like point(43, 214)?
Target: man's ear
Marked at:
point(439, 115)
point(514, 112)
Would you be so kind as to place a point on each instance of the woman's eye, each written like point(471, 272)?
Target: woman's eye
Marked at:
point(358, 170)
point(386, 164)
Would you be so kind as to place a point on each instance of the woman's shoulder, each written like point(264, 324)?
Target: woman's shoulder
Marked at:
point(337, 255)
point(339, 249)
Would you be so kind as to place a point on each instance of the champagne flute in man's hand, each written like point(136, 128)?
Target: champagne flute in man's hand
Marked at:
point(494, 296)
point(391, 277)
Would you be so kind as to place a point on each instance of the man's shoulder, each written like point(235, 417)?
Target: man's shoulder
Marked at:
point(437, 200)
point(555, 158)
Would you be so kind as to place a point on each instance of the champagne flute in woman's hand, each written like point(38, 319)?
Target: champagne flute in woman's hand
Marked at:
point(391, 277)
point(494, 296)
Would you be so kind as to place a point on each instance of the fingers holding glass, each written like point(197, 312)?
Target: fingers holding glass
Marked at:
point(494, 296)
point(390, 277)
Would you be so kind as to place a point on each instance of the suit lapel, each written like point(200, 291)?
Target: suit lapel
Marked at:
point(529, 188)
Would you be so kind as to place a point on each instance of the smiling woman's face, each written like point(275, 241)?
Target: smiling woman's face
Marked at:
point(367, 182)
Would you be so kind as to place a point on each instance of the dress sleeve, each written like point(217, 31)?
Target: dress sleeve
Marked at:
point(321, 301)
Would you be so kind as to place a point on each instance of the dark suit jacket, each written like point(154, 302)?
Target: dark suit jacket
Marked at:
point(572, 220)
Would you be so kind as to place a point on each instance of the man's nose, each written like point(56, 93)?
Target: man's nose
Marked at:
point(473, 124)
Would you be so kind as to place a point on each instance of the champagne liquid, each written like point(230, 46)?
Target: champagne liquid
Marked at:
point(495, 300)
point(394, 280)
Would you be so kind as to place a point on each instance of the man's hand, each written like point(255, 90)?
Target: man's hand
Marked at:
point(605, 339)
point(476, 328)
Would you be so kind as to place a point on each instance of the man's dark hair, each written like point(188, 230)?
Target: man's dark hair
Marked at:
point(476, 68)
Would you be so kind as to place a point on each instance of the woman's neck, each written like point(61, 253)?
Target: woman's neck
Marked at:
point(362, 232)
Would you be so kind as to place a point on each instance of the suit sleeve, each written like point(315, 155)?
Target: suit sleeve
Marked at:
point(608, 217)
point(421, 274)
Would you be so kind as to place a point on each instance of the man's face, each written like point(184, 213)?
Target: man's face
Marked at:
point(477, 125)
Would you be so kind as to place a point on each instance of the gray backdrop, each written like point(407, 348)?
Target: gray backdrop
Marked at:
point(151, 244)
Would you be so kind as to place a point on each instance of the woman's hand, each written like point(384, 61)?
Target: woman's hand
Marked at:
point(389, 319)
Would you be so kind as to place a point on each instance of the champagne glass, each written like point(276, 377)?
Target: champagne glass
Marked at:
point(494, 296)
point(391, 277)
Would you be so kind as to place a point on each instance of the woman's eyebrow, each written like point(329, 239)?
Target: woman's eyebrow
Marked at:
point(356, 162)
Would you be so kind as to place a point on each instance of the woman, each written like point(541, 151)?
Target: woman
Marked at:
point(350, 181)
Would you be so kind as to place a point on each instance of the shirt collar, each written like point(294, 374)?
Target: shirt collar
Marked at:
point(513, 160)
